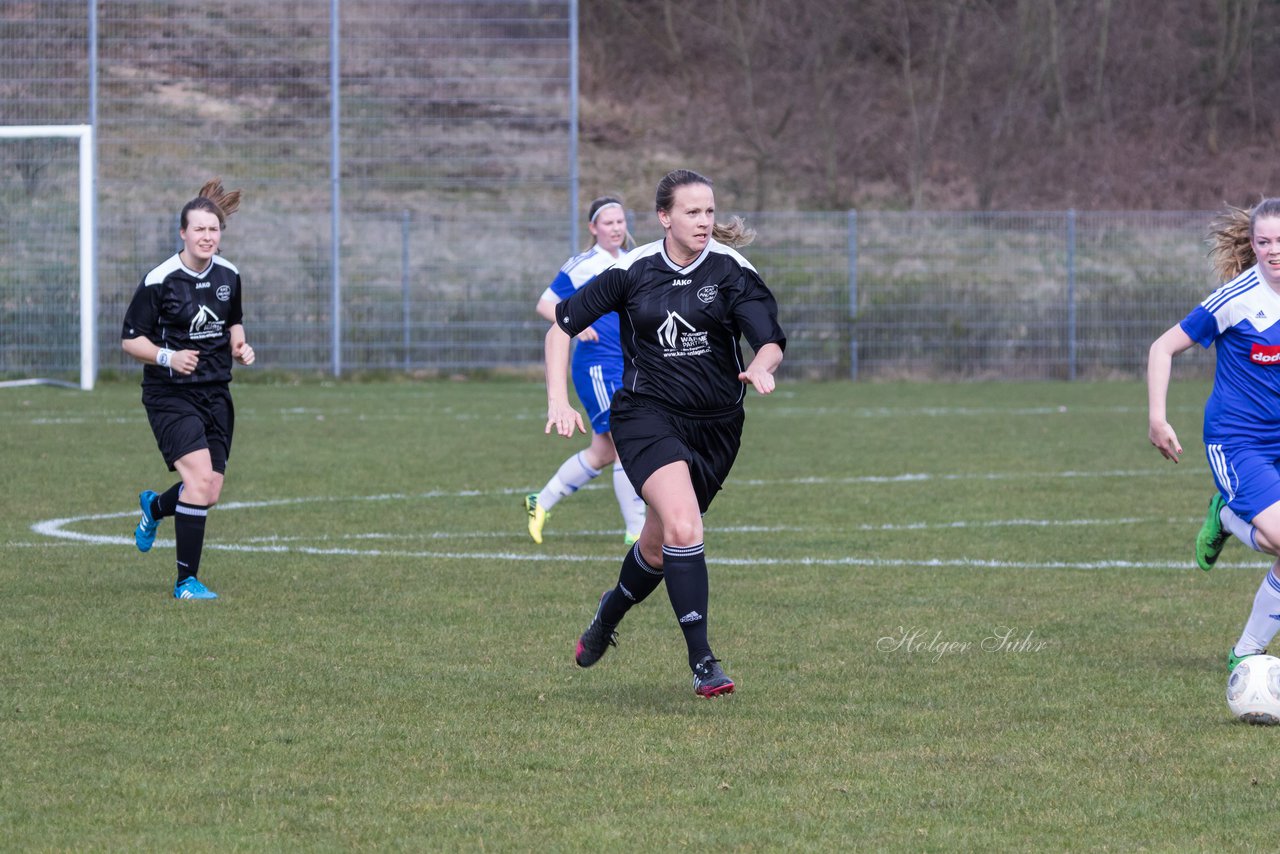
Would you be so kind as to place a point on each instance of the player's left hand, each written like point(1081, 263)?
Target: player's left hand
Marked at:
point(761, 379)
point(243, 353)
point(1166, 441)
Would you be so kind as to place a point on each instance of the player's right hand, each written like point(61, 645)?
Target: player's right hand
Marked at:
point(184, 362)
point(564, 418)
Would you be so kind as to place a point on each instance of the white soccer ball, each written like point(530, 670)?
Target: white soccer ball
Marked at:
point(1253, 691)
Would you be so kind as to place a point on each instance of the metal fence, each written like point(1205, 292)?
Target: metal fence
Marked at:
point(435, 193)
point(335, 117)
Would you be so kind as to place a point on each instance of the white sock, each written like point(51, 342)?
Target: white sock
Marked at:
point(1242, 529)
point(574, 474)
point(1264, 619)
point(632, 505)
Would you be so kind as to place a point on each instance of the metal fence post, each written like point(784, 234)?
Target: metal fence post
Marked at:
point(852, 237)
point(404, 283)
point(573, 128)
point(335, 179)
point(1071, 294)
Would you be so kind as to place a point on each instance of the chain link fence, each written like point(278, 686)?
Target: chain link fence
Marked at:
point(449, 153)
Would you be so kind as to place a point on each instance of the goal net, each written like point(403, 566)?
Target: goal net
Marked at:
point(48, 293)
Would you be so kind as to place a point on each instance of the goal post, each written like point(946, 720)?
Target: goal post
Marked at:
point(88, 302)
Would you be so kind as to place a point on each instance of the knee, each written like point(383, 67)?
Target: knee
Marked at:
point(1264, 543)
point(684, 531)
point(203, 488)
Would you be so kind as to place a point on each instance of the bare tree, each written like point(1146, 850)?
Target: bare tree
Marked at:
point(1101, 110)
point(924, 81)
point(1235, 23)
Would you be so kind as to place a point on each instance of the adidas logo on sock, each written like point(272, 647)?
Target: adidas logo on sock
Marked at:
point(691, 617)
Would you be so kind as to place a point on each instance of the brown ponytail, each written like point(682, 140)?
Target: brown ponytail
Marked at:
point(215, 200)
point(1231, 237)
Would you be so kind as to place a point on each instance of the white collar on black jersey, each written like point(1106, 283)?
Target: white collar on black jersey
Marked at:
point(713, 245)
point(193, 273)
point(692, 265)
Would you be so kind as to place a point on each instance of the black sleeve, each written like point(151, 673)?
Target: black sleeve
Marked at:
point(757, 313)
point(603, 294)
point(143, 314)
point(236, 314)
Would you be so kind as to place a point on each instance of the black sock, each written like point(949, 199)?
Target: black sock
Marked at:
point(165, 504)
point(188, 530)
point(686, 570)
point(636, 580)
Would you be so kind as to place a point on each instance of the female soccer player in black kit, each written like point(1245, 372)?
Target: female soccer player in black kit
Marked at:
point(185, 325)
point(684, 302)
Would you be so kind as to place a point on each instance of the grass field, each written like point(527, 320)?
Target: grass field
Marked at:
point(959, 617)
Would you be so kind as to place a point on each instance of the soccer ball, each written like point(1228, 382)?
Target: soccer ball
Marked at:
point(1253, 691)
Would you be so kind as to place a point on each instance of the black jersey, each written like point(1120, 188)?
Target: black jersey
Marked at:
point(179, 309)
point(681, 325)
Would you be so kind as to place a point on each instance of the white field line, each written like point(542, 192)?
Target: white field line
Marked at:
point(60, 529)
point(775, 408)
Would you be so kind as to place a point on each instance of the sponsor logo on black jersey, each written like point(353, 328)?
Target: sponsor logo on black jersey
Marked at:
point(708, 293)
point(224, 293)
point(1265, 354)
point(205, 324)
point(679, 283)
point(201, 285)
point(678, 341)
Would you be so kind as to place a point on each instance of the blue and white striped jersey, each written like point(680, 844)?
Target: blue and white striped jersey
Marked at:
point(575, 273)
point(1241, 318)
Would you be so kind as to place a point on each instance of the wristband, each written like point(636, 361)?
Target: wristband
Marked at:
point(164, 357)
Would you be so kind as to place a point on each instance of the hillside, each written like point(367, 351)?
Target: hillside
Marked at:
point(954, 104)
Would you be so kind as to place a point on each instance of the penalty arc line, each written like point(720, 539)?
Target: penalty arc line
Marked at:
point(57, 529)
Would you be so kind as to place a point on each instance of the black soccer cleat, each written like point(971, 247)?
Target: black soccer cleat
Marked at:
point(709, 680)
point(595, 640)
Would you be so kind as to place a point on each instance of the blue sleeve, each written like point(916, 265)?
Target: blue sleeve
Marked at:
point(1200, 326)
point(562, 285)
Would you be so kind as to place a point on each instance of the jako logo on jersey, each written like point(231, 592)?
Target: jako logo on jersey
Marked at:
point(708, 294)
point(669, 331)
point(203, 318)
point(201, 285)
point(678, 283)
point(1265, 354)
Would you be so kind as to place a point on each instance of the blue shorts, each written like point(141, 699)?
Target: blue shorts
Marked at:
point(1248, 477)
point(595, 384)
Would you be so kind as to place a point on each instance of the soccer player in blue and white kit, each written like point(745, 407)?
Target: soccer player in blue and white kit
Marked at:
point(684, 302)
point(597, 374)
point(1242, 415)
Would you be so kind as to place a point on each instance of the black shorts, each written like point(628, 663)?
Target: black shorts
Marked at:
point(191, 418)
point(649, 437)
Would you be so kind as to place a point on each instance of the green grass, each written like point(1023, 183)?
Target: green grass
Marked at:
point(390, 663)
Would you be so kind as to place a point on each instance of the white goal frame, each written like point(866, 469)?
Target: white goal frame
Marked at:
point(88, 276)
